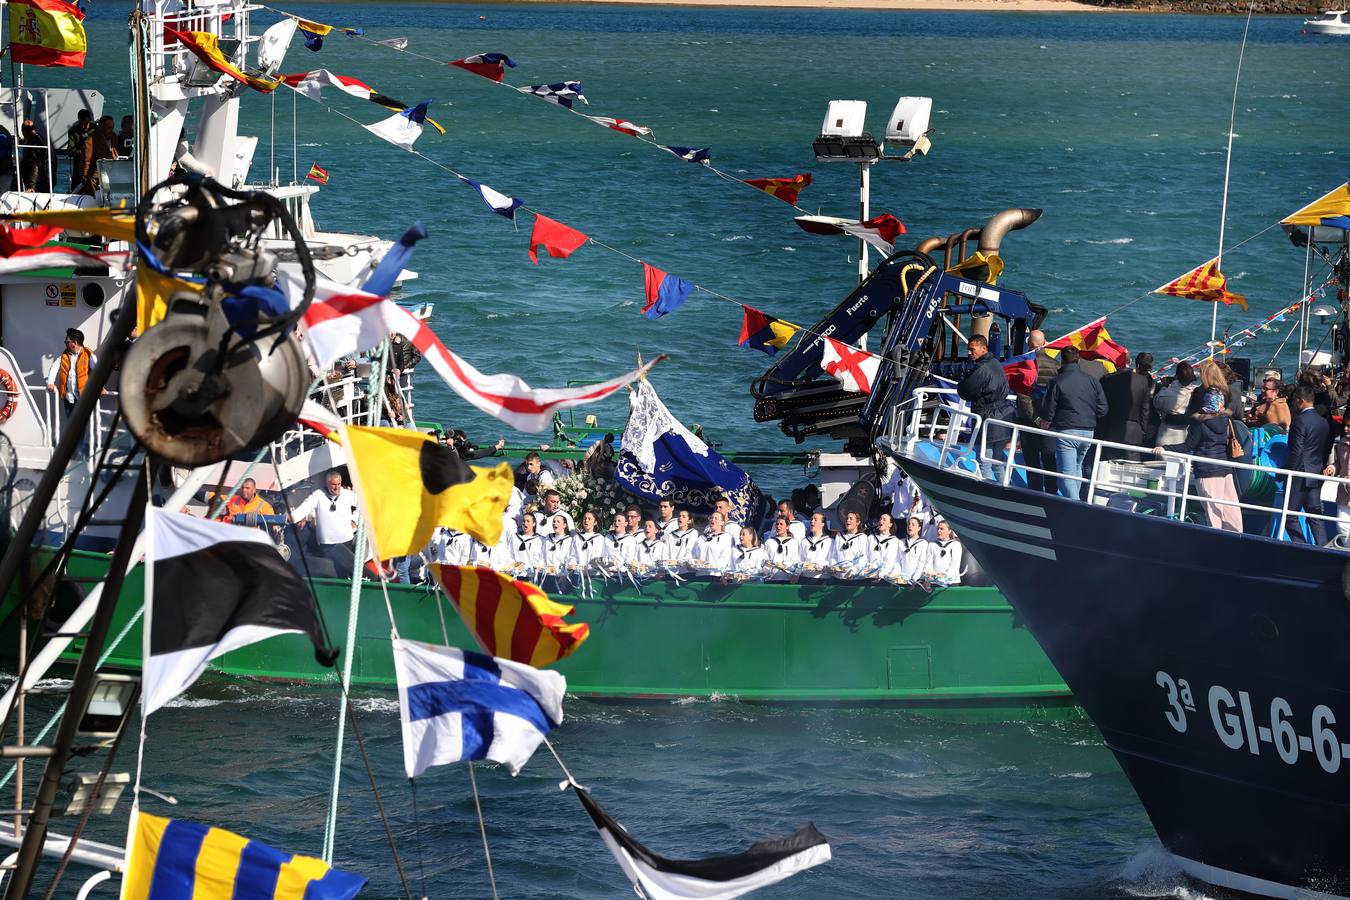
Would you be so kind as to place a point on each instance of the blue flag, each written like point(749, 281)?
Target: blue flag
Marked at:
point(700, 155)
point(395, 260)
point(659, 458)
point(563, 93)
point(665, 293)
point(496, 201)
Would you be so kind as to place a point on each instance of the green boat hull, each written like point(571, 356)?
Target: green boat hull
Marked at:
point(957, 652)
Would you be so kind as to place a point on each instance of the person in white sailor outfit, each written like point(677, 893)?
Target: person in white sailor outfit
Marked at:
point(749, 556)
point(588, 544)
point(851, 548)
point(944, 559)
point(498, 557)
point(683, 541)
point(619, 544)
point(552, 507)
point(795, 525)
point(885, 547)
point(558, 545)
point(651, 550)
point(714, 549)
point(782, 552)
point(450, 548)
point(912, 557)
point(667, 522)
point(528, 547)
point(817, 547)
point(729, 523)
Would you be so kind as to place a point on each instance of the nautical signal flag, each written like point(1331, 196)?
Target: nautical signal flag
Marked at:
point(404, 129)
point(118, 224)
point(176, 860)
point(1092, 341)
point(1331, 209)
point(496, 201)
point(317, 173)
point(708, 878)
point(492, 66)
point(13, 237)
point(855, 369)
point(879, 231)
point(396, 43)
point(620, 125)
point(459, 705)
point(558, 239)
point(1022, 372)
point(665, 292)
point(206, 47)
point(764, 332)
point(785, 189)
point(46, 33)
point(215, 588)
point(410, 484)
point(563, 93)
point(1204, 282)
point(313, 33)
point(700, 155)
point(512, 619)
point(311, 84)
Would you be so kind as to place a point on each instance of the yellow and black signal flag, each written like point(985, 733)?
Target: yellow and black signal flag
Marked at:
point(411, 484)
point(399, 106)
point(1204, 282)
point(171, 858)
point(513, 619)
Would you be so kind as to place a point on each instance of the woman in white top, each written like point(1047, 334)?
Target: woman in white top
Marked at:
point(498, 557)
point(817, 548)
point(528, 547)
point(885, 547)
point(714, 550)
point(650, 550)
point(944, 560)
point(749, 556)
point(558, 545)
point(912, 557)
point(619, 543)
point(683, 541)
point(851, 548)
point(783, 551)
point(450, 548)
point(588, 545)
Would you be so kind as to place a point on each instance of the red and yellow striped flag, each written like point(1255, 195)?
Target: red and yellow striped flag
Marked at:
point(46, 33)
point(1092, 341)
point(206, 47)
point(1204, 282)
point(514, 619)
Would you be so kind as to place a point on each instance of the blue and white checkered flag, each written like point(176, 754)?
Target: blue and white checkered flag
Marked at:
point(460, 705)
point(563, 93)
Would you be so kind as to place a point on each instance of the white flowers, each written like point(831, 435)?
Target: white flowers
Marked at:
point(580, 492)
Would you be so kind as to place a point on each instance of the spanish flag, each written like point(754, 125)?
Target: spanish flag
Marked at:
point(46, 33)
point(206, 47)
point(174, 860)
point(765, 333)
point(785, 189)
point(1204, 282)
point(1092, 341)
point(410, 484)
point(513, 619)
point(317, 173)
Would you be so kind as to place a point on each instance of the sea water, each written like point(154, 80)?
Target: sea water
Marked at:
point(1114, 125)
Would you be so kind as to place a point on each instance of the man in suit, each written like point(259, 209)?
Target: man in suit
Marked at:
point(1127, 396)
point(1309, 439)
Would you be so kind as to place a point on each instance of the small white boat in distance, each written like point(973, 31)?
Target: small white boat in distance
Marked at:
point(1332, 21)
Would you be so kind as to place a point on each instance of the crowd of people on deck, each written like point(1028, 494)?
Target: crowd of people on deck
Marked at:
point(1200, 410)
point(87, 142)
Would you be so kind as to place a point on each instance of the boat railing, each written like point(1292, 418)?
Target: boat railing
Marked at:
point(962, 444)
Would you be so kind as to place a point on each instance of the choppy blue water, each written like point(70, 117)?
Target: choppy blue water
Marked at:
point(1114, 124)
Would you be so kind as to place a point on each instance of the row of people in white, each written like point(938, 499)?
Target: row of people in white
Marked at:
point(781, 557)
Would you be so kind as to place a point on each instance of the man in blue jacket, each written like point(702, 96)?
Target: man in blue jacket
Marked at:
point(1309, 440)
point(986, 389)
point(1073, 406)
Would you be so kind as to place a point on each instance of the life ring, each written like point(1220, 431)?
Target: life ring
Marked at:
point(10, 388)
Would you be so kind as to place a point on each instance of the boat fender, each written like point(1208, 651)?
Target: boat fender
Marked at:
point(10, 389)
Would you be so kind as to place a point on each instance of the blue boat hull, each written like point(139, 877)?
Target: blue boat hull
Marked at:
point(1217, 667)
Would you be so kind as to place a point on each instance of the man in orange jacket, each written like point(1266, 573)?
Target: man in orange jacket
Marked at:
point(70, 372)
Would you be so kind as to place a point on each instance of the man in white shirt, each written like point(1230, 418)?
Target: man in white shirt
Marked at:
point(715, 548)
point(543, 518)
point(795, 525)
point(334, 510)
point(666, 521)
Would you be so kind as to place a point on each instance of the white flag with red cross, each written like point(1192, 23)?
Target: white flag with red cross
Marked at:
point(856, 369)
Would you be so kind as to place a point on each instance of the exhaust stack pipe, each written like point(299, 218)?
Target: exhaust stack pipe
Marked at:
point(990, 237)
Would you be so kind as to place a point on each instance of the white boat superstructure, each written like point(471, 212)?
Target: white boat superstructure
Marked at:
point(1333, 21)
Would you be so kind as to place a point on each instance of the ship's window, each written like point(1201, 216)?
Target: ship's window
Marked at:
point(93, 295)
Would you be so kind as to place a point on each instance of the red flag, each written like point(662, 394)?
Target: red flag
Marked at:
point(13, 238)
point(1093, 342)
point(785, 189)
point(555, 237)
point(1022, 372)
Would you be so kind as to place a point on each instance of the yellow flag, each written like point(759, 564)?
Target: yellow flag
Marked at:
point(978, 260)
point(153, 291)
point(1332, 209)
point(118, 224)
point(1204, 282)
point(411, 484)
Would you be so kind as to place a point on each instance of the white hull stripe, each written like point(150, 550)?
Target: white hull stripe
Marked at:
point(967, 533)
point(1031, 531)
point(1024, 509)
point(1248, 883)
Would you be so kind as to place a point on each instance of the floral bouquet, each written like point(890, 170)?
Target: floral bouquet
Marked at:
point(580, 492)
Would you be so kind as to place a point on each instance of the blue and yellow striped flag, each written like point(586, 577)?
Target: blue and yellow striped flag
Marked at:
point(173, 860)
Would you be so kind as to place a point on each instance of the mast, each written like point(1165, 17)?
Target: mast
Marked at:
point(1227, 169)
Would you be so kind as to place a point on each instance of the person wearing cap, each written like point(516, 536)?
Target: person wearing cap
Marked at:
point(1127, 400)
point(1208, 438)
